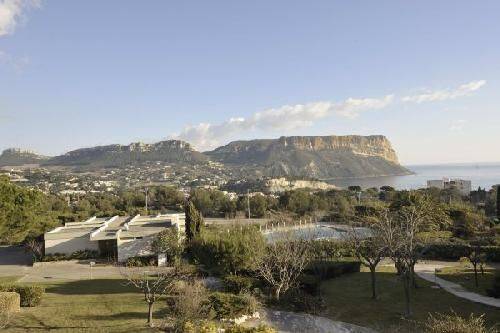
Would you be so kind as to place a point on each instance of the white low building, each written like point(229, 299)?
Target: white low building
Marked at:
point(463, 186)
point(118, 237)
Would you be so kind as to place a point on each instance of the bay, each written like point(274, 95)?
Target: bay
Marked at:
point(484, 175)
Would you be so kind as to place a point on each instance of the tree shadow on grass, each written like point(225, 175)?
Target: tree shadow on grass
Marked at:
point(126, 315)
point(92, 287)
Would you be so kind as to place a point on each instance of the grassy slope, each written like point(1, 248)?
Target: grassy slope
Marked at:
point(87, 306)
point(348, 299)
point(465, 277)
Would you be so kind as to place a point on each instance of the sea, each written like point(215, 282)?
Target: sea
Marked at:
point(484, 175)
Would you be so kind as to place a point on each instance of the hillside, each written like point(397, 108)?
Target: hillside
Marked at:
point(17, 157)
point(313, 156)
point(173, 151)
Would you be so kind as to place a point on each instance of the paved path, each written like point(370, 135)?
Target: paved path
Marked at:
point(292, 322)
point(427, 272)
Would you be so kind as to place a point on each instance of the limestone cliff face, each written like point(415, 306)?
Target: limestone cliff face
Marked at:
point(374, 145)
point(313, 156)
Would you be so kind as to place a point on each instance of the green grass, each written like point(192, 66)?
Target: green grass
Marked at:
point(87, 306)
point(465, 277)
point(348, 299)
point(9, 279)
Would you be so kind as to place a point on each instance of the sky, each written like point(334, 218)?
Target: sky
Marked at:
point(423, 73)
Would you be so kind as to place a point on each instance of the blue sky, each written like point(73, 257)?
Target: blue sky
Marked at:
point(82, 73)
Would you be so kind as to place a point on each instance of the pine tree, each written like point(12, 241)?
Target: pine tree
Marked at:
point(194, 221)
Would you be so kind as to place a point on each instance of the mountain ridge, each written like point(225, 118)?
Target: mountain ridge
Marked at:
point(295, 156)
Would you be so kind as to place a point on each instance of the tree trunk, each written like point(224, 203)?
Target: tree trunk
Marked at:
point(475, 275)
point(407, 286)
point(374, 282)
point(277, 294)
point(413, 279)
point(150, 314)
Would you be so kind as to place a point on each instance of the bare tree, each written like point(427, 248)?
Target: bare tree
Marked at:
point(477, 258)
point(153, 282)
point(400, 232)
point(285, 259)
point(369, 251)
point(35, 247)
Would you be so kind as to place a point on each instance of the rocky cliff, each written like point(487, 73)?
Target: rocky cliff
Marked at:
point(16, 157)
point(173, 151)
point(313, 156)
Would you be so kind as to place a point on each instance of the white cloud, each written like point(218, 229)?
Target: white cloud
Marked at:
point(287, 117)
point(458, 125)
point(445, 94)
point(11, 12)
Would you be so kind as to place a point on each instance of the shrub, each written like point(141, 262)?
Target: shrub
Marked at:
point(142, 261)
point(298, 300)
point(448, 251)
point(495, 288)
point(332, 269)
point(77, 255)
point(30, 295)
point(240, 284)
point(229, 306)
point(242, 329)
point(453, 323)
point(228, 251)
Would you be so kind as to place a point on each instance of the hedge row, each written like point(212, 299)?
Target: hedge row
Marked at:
point(457, 251)
point(30, 295)
point(318, 271)
point(77, 255)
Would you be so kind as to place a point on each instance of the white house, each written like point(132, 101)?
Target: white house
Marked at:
point(118, 237)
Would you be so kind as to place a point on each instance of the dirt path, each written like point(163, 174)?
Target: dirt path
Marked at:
point(427, 272)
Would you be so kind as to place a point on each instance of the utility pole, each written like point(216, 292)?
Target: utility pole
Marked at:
point(248, 203)
point(146, 200)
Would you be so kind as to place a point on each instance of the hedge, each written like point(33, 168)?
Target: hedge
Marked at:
point(77, 255)
point(30, 295)
point(318, 271)
point(457, 251)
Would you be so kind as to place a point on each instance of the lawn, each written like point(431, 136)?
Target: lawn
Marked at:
point(87, 306)
point(8, 279)
point(465, 277)
point(348, 299)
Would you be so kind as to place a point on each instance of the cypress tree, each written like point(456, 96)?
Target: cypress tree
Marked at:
point(194, 221)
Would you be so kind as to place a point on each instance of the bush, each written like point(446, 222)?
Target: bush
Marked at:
point(77, 255)
point(228, 251)
point(240, 284)
point(447, 251)
point(259, 329)
point(330, 249)
point(230, 306)
point(495, 288)
point(30, 295)
point(332, 269)
point(298, 300)
point(453, 323)
point(142, 261)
